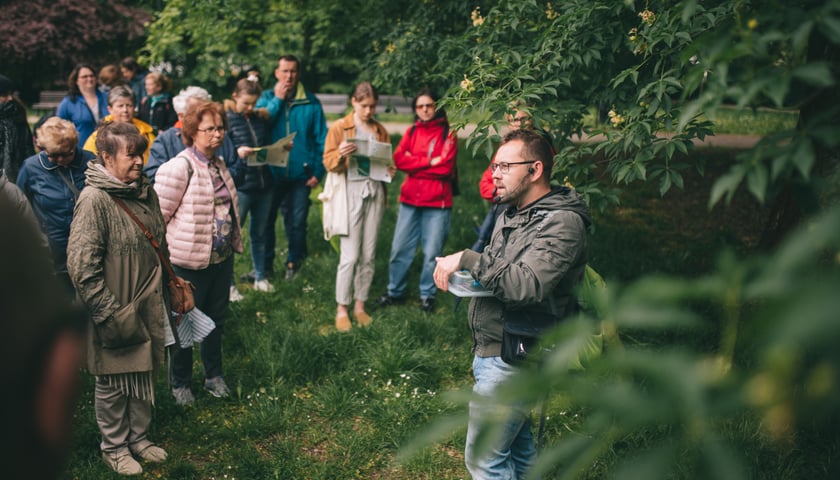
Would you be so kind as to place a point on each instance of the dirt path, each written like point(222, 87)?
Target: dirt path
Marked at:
point(717, 141)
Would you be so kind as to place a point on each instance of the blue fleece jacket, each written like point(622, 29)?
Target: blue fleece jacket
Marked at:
point(51, 197)
point(78, 112)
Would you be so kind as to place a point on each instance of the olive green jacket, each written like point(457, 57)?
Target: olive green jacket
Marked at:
point(118, 275)
point(535, 259)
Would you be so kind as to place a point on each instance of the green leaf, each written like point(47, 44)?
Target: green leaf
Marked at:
point(757, 179)
point(778, 89)
point(804, 157)
point(641, 170)
point(830, 27)
point(684, 36)
point(669, 149)
point(727, 184)
point(800, 36)
point(817, 74)
point(677, 178)
point(665, 184)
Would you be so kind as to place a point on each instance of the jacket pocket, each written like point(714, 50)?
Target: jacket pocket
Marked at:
point(123, 329)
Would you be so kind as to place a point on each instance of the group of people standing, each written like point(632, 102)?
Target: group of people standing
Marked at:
point(110, 227)
point(113, 230)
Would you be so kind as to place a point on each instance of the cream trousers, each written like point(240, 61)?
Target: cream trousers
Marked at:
point(365, 207)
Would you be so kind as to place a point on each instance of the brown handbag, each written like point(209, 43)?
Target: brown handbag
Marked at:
point(181, 291)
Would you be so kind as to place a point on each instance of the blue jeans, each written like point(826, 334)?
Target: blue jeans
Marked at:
point(259, 204)
point(429, 226)
point(512, 453)
point(292, 198)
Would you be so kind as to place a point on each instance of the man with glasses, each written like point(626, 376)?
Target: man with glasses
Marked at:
point(534, 260)
point(518, 118)
point(293, 109)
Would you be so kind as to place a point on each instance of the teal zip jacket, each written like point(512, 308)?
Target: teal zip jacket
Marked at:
point(305, 116)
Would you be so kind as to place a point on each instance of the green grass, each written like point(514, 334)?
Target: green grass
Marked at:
point(311, 403)
point(746, 121)
point(736, 121)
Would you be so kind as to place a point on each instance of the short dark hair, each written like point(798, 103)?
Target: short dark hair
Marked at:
point(73, 78)
point(289, 58)
point(130, 63)
point(192, 118)
point(534, 147)
point(113, 135)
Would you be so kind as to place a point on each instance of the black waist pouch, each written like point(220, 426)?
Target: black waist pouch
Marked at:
point(521, 334)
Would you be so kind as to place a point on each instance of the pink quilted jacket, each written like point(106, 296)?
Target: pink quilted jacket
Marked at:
point(185, 189)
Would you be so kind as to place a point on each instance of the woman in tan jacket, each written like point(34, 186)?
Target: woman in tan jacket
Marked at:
point(365, 204)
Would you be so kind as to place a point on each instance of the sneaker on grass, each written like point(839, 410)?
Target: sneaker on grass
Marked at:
point(183, 396)
point(235, 296)
point(263, 286)
point(217, 387)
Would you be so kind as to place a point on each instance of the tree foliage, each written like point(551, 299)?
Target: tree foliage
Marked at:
point(771, 383)
point(659, 67)
point(43, 40)
point(208, 43)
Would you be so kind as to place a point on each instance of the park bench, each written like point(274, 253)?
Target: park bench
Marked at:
point(48, 101)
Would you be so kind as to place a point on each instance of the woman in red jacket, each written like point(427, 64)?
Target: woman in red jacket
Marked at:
point(427, 154)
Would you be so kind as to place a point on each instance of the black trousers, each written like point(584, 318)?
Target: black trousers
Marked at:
point(212, 290)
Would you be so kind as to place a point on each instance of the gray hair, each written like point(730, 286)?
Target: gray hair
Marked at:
point(118, 92)
point(179, 103)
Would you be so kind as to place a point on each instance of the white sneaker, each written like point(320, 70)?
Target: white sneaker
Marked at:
point(263, 286)
point(235, 296)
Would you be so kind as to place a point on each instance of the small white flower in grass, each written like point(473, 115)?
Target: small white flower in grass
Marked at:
point(397, 394)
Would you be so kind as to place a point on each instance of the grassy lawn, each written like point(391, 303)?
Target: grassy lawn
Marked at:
point(738, 121)
point(311, 403)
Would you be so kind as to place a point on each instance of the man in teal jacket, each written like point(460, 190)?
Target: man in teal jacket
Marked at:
point(293, 109)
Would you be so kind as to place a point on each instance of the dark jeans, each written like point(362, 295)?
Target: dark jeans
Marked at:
point(292, 199)
point(258, 203)
point(212, 289)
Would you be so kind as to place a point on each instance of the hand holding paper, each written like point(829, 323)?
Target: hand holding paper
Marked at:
point(371, 159)
point(276, 154)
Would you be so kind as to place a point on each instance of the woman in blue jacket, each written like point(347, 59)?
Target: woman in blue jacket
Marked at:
point(52, 180)
point(84, 104)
